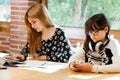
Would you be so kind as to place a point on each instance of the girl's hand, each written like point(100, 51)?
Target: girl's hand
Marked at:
point(14, 56)
point(43, 58)
point(84, 67)
point(73, 67)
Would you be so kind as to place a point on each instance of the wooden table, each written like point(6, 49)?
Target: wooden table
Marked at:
point(15, 73)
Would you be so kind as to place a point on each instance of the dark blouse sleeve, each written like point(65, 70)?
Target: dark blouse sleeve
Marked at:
point(63, 52)
point(25, 51)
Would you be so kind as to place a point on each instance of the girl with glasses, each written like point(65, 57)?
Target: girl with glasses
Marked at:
point(100, 52)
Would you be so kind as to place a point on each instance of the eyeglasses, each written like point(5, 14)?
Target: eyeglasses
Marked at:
point(95, 32)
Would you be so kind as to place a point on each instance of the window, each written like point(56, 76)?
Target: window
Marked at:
point(5, 10)
point(73, 13)
point(4, 15)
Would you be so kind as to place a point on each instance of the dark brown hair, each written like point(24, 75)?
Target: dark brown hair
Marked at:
point(95, 22)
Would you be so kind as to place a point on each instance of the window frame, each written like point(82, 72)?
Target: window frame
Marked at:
point(78, 31)
point(4, 26)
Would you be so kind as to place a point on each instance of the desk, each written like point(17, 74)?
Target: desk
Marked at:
point(14, 73)
point(29, 73)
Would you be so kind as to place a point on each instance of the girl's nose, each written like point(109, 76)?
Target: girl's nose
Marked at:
point(33, 26)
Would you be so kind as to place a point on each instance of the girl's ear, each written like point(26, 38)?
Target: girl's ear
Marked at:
point(106, 29)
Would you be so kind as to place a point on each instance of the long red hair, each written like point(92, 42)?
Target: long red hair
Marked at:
point(40, 12)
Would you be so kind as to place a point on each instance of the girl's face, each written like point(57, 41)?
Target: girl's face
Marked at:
point(36, 24)
point(98, 35)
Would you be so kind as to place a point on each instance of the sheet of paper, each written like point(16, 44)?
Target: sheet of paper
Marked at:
point(47, 67)
point(3, 54)
point(40, 64)
point(43, 64)
point(54, 65)
point(31, 63)
point(2, 60)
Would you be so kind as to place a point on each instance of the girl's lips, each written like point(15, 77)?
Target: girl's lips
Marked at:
point(94, 39)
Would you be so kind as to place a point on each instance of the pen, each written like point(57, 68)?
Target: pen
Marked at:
point(41, 66)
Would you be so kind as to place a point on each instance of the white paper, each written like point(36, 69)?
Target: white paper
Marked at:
point(2, 61)
point(54, 65)
point(31, 63)
point(38, 64)
point(3, 54)
point(43, 64)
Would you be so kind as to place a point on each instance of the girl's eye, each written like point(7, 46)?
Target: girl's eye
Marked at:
point(33, 22)
point(96, 31)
